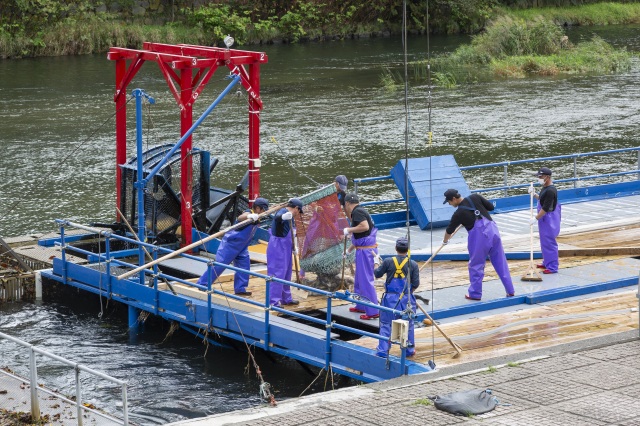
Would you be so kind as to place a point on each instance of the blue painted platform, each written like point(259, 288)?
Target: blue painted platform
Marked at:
point(568, 282)
point(252, 323)
point(320, 346)
point(448, 303)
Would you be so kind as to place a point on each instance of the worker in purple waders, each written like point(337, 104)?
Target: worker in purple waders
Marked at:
point(548, 220)
point(234, 248)
point(397, 293)
point(280, 252)
point(483, 240)
point(363, 241)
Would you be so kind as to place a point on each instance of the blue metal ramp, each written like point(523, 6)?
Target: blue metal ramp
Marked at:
point(429, 178)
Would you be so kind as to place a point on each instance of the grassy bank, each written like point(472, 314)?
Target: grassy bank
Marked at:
point(516, 48)
point(608, 13)
point(96, 33)
point(93, 34)
point(39, 32)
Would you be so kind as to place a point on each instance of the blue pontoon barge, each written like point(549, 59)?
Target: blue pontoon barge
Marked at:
point(154, 203)
point(302, 336)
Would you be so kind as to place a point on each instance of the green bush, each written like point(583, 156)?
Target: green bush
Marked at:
point(511, 37)
point(515, 48)
point(216, 21)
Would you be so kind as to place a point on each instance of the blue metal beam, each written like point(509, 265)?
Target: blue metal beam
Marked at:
point(285, 337)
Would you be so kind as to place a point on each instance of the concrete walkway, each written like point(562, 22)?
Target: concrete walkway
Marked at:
point(591, 382)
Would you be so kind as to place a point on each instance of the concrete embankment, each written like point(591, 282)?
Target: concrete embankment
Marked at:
point(589, 382)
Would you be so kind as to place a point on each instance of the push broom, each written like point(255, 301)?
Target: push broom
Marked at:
point(438, 250)
point(430, 320)
point(532, 274)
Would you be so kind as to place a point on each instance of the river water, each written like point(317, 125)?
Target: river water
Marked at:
point(325, 108)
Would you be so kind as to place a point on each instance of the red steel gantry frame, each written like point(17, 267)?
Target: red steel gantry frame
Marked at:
point(177, 63)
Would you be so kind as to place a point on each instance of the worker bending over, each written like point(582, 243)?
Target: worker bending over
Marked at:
point(234, 247)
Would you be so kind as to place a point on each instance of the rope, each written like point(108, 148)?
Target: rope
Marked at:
point(273, 139)
point(407, 283)
point(430, 153)
point(311, 384)
point(265, 387)
point(172, 329)
point(267, 130)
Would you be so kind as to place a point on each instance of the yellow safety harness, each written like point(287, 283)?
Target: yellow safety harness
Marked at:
point(399, 266)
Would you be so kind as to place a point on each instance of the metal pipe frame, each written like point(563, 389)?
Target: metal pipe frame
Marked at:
point(33, 378)
point(506, 187)
point(328, 323)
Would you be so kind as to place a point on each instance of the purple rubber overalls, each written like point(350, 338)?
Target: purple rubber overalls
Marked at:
point(233, 248)
point(366, 248)
point(484, 240)
point(279, 263)
point(395, 296)
point(549, 228)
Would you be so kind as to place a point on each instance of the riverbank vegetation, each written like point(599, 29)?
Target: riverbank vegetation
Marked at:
point(515, 48)
point(60, 27)
point(607, 13)
point(63, 27)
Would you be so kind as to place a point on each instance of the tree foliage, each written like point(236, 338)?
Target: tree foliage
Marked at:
point(294, 19)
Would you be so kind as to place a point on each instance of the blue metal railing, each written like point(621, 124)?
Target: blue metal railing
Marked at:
point(505, 166)
point(327, 323)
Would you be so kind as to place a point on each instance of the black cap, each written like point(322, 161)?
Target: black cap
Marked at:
point(450, 194)
point(544, 171)
point(262, 203)
point(402, 244)
point(295, 202)
point(351, 198)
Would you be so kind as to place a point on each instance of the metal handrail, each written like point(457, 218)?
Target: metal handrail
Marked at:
point(328, 323)
point(35, 387)
point(554, 158)
point(505, 164)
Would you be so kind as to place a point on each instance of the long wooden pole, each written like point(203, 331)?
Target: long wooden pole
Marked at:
point(437, 251)
point(295, 252)
point(453, 344)
point(126, 222)
point(532, 274)
point(197, 243)
point(344, 260)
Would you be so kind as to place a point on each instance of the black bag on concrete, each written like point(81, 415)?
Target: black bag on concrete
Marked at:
point(465, 403)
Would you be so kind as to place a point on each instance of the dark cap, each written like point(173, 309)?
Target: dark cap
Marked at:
point(262, 203)
point(351, 198)
point(544, 171)
point(450, 194)
point(402, 244)
point(342, 182)
point(295, 202)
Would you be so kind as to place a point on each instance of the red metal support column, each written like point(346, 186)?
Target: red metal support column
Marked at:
point(121, 129)
point(254, 133)
point(186, 169)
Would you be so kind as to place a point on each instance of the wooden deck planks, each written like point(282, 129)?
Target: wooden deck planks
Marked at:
point(552, 325)
point(581, 247)
point(444, 274)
